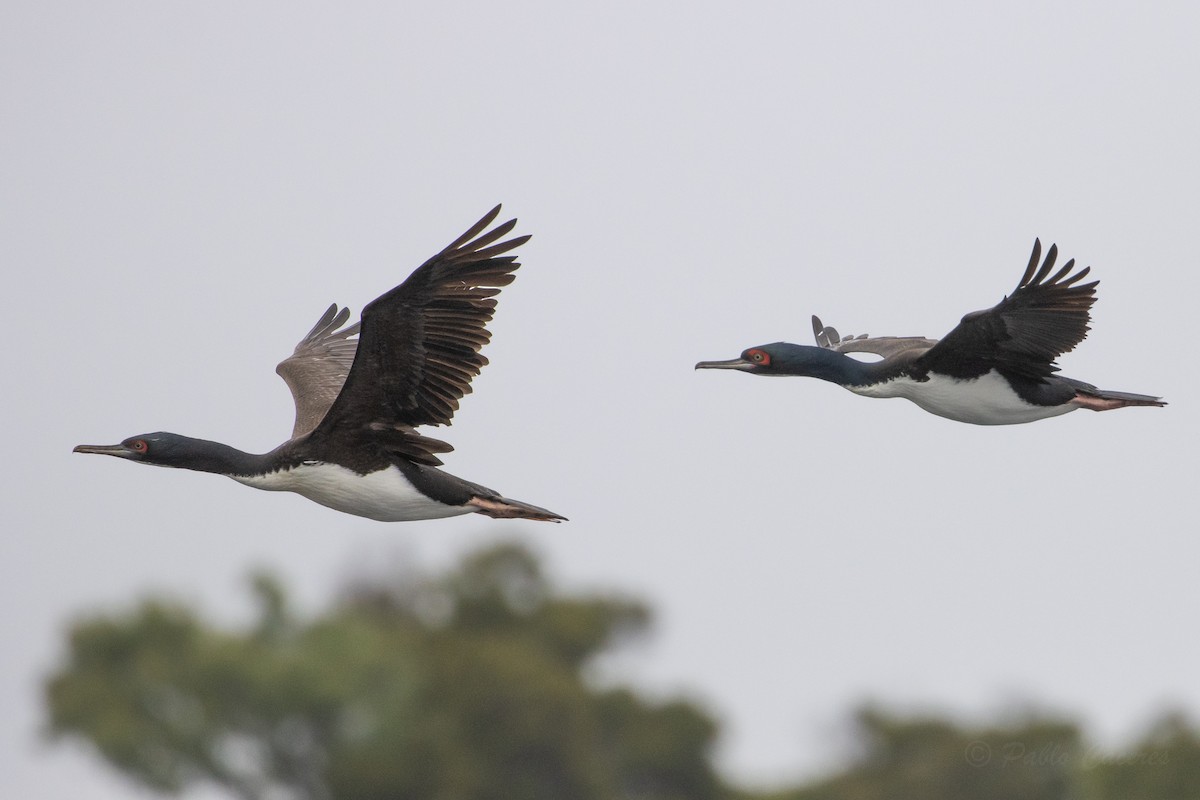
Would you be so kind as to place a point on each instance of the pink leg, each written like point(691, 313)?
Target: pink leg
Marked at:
point(1098, 403)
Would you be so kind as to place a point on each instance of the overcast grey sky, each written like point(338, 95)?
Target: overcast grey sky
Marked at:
point(185, 188)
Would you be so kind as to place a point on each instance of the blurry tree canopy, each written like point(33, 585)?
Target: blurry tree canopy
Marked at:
point(471, 686)
point(467, 685)
point(934, 759)
point(1036, 758)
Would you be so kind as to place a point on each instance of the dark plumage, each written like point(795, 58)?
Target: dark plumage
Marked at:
point(996, 367)
point(355, 446)
point(1025, 332)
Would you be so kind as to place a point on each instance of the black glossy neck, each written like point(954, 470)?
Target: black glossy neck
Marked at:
point(819, 362)
point(201, 455)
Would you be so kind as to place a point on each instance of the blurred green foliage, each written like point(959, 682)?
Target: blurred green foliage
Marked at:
point(1031, 759)
point(471, 685)
point(466, 685)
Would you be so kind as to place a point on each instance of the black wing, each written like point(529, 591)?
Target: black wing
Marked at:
point(1021, 336)
point(419, 345)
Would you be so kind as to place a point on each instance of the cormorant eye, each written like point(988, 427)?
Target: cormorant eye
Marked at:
point(759, 357)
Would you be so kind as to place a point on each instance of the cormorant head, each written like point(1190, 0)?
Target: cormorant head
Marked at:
point(785, 358)
point(161, 449)
point(778, 358)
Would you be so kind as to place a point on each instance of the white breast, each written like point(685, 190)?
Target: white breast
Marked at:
point(986, 400)
point(385, 495)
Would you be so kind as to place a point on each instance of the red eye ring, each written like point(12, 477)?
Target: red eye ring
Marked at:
point(138, 446)
point(758, 357)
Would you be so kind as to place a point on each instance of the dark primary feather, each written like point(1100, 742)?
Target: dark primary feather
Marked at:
point(317, 369)
point(419, 345)
point(1043, 318)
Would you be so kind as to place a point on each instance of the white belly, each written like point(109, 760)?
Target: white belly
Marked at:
point(987, 400)
point(385, 495)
